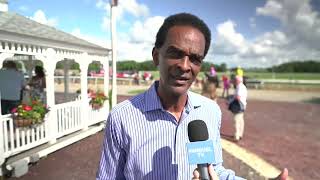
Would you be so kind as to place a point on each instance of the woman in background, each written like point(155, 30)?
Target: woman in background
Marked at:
point(38, 84)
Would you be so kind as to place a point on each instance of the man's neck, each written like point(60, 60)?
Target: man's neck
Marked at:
point(173, 104)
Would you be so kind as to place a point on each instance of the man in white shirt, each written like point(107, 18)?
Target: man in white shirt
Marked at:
point(241, 94)
point(11, 84)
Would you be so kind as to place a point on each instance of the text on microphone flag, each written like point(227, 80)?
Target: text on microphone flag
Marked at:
point(200, 152)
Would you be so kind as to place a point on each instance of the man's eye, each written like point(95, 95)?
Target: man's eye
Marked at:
point(195, 59)
point(175, 54)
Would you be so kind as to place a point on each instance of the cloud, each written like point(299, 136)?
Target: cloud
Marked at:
point(228, 41)
point(124, 8)
point(297, 38)
point(300, 25)
point(138, 43)
point(145, 31)
point(40, 17)
point(133, 8)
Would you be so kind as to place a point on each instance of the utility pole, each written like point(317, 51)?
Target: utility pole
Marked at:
point(113, 4)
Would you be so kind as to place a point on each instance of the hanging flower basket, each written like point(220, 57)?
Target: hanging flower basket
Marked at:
point(97, 100)
point(96, 106)
point(19, 122)
point(29, 115)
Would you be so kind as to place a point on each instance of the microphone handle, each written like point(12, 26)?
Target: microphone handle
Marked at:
point(203, 170)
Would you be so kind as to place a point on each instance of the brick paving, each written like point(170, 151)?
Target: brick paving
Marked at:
point(284, 134)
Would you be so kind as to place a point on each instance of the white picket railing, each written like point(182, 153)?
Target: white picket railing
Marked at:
point(96, 116)
point(68, 117)
point(16, 140)
point(63, 119)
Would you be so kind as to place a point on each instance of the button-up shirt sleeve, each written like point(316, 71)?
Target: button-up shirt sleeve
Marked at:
point(224, 174)
point(113, 156)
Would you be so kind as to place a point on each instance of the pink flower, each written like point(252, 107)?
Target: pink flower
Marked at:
point(27, 108)
point(14, 110)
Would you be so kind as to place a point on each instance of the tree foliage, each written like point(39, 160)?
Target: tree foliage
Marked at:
point(297, 66)
point(133, 65)
point(220, 68)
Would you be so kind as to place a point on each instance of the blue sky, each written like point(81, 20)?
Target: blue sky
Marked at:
point(250, 33)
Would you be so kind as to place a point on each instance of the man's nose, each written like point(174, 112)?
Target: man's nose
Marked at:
point(185, 64)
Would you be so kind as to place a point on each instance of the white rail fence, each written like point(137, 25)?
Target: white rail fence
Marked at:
point(16, 140)
point(68, 118)
point(95, 116)
point(63, 119)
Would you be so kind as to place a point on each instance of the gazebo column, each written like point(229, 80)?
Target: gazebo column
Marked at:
point(84, 62)
point(49, 62)
point(66, 67)
point(106, 79)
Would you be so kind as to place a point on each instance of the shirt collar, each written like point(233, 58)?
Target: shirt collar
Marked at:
point(152, 100)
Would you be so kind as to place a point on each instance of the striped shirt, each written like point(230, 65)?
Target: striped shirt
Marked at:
point(144, 141)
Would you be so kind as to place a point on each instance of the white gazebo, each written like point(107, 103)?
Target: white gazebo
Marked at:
point(66, 123)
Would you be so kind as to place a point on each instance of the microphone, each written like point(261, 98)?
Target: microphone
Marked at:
point(200, 149)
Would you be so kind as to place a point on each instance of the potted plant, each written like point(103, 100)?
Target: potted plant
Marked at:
point(27, 115)
point(97, 100)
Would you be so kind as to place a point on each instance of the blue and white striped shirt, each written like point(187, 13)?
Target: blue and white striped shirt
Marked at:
point(144, 141)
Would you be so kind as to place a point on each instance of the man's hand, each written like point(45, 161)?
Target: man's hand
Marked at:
point(284, 175)
point(213, 175)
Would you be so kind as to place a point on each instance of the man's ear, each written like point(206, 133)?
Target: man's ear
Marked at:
point(155, 56)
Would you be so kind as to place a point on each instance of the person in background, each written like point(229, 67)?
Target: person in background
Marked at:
point(135, 77)
point(11, 84)
point(239, 71)
point(209, 90)
point(212, 71)
point(226, 86)
point(164, 111)
point(38, 84)
point(241, 94)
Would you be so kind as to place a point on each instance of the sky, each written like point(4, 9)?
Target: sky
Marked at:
point(249, 33)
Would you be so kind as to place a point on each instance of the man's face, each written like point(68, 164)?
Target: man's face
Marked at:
point(179, 59)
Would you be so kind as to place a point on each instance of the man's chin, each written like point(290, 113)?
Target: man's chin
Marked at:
point(179, 90)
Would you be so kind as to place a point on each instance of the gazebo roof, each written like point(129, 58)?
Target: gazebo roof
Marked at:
point(17, 28)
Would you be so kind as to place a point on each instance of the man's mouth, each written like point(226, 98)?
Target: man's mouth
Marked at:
point(181, 80)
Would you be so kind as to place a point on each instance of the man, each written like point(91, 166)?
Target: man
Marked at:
point(240, 95)
point(146, 136)
point(11, 84)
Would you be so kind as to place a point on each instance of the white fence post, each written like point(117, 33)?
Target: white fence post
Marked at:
point(84, 61)
point(1, 143)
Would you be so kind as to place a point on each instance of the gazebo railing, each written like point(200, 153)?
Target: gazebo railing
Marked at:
point(96, 116)
point(63, 119)
point(16, 140)
point(68, 117)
